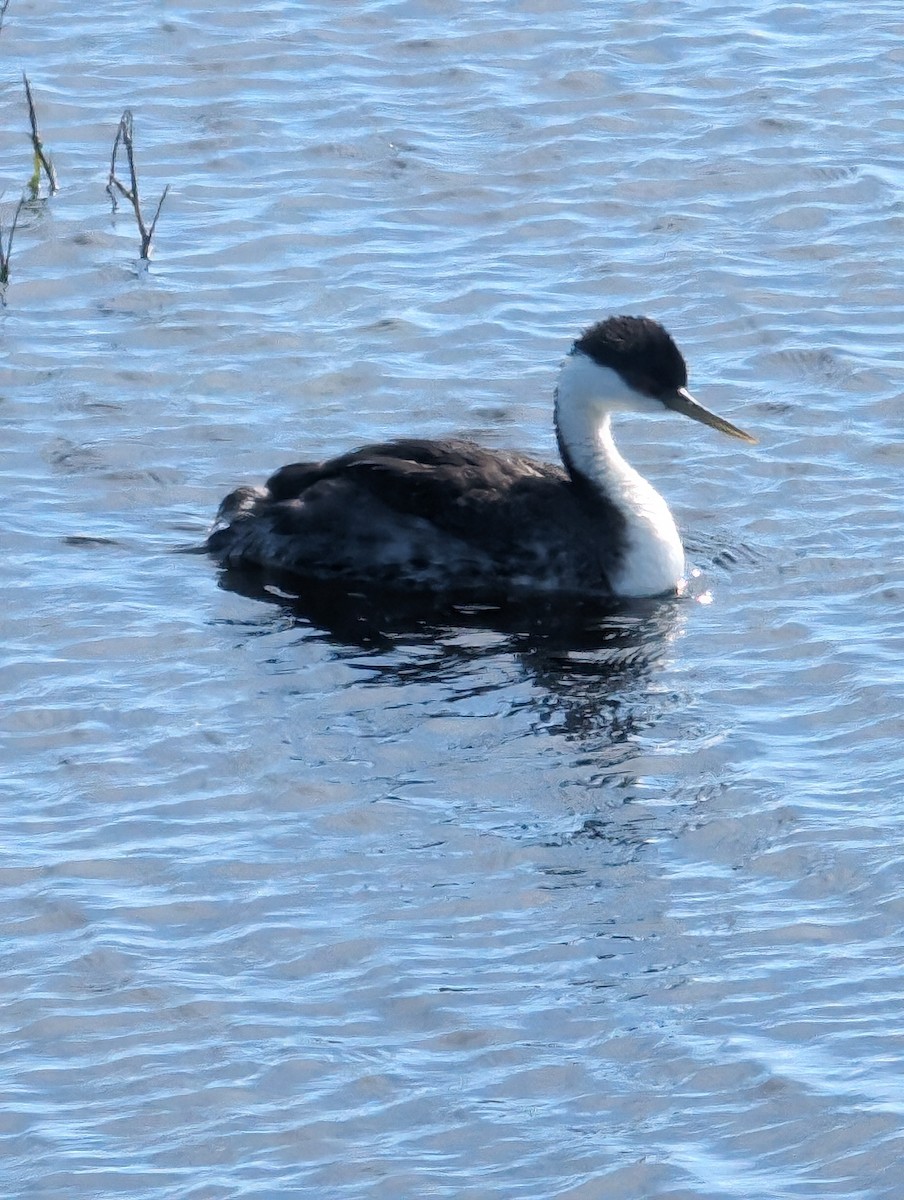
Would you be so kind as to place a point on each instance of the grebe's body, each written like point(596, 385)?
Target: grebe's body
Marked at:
point(452, 517)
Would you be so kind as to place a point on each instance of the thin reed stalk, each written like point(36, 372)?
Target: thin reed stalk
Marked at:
point(114, 184)
point(43, 160)
point(6, 251)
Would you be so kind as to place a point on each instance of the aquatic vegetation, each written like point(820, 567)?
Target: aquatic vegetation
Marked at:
point(115, 184)
point(42, 160)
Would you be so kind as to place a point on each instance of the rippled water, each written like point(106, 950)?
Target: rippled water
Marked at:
point(347, 901)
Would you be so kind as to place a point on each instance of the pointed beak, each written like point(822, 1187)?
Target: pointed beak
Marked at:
point(681, 401)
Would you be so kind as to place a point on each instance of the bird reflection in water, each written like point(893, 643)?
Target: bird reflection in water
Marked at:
point(570, 651)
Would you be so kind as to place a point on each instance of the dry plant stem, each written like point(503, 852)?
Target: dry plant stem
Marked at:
point(41, 159)
point(4, 5)
point(5, 253)
point(124, 137)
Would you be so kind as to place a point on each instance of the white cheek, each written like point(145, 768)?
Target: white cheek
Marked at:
point(585, 389)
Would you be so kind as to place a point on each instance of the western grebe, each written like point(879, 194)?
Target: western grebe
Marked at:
point(453, 517)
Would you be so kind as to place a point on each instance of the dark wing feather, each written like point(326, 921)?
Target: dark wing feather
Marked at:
point(446, 513)
point(448, 483)
point(290, 481)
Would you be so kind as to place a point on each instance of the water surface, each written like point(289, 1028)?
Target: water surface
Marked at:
point(345, 901)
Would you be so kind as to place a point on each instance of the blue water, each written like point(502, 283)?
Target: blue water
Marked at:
point(299, 900)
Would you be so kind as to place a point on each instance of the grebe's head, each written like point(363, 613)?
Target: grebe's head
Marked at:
point(632, 364)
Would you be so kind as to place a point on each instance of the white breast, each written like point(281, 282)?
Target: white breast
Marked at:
point(653, 561)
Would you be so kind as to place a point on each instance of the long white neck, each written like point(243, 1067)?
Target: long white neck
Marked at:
point(587, 394)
